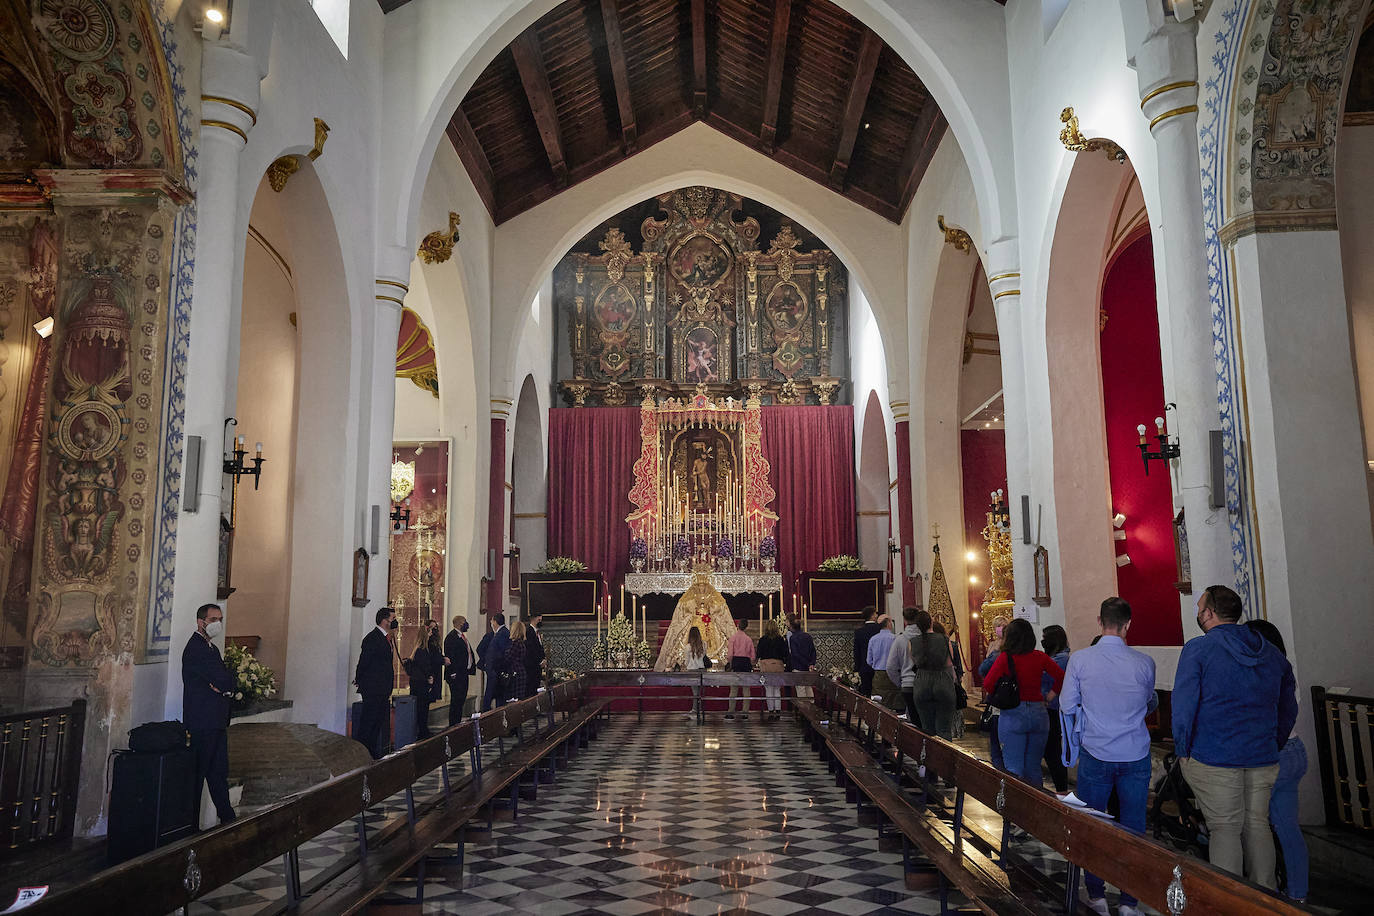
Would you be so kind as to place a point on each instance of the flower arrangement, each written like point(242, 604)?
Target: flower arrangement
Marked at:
point(682, 548)
point(768, 548)
point(644, 655)
point(559, 675)
point(252, 679)
point(561, 565)
point(599, 653)
point(620, 636)
point(844, 676)
point(841, 563)
point(725, 549)
point(639, 549)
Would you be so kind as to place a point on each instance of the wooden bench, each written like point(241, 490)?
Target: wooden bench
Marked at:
point(169, 878)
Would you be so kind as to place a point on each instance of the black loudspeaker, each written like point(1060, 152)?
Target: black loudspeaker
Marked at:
point(407, 729)
point(1216, 499)
point(154, 800)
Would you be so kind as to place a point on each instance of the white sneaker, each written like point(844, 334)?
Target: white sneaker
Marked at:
point(1099, 906)
point(1128, 911)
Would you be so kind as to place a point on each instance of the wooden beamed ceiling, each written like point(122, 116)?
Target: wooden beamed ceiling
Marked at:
point(595, 81)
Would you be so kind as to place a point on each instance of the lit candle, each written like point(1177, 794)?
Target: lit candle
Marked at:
point(760, 618)
point(598, 621)
point(259, 450)
point(622, 599)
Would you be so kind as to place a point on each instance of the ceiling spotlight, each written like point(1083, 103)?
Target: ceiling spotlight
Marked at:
point(214, 15)
point(43, 326)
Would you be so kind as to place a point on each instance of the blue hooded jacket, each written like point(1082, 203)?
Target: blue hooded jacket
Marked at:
point(1235, 700)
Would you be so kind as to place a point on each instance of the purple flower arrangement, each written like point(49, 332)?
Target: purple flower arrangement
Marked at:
point(639, 550)
point(682, 548)
point(725, 549)
point(768, 547)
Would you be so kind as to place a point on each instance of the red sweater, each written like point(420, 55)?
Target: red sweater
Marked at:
point(1028, 669)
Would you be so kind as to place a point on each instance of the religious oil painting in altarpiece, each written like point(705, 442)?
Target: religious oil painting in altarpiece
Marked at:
point(699, 288)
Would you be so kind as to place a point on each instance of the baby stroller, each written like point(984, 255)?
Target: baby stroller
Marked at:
point(1177, 818)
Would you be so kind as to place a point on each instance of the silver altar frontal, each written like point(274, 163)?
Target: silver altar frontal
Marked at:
point(727, 583)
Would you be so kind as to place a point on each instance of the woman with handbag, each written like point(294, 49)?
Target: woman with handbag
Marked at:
point(695, 660)
point(932, 688)
point(1025, 724)
point(421, 683)
point(514, 675)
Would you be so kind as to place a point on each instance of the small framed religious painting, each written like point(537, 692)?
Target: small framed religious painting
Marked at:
point(360, 566)
point(1041, 561)
point(1181, 556)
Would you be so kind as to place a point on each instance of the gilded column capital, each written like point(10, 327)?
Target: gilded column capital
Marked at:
point(1005, 284)
point(230, 95)
point(390, 293)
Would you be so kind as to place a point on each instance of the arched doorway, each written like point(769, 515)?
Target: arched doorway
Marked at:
point(874, 502)
point(529, 479)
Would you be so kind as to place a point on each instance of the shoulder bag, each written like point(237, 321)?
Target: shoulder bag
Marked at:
point(1006, 693)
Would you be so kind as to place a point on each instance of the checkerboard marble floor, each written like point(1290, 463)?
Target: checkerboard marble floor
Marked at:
point(668, 816)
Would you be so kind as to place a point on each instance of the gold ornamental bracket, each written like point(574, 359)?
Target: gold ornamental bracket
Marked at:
point(955, 236)
point(1075, 141)
point(281, 169)
point(437, 247)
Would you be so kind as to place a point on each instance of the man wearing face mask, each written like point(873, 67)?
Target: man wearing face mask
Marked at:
point(207, 687)
point(375, 677)
point(461, 663)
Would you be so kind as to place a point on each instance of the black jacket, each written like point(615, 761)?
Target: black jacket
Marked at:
point(376, 673)
point(774, 647)
point(419, 670)
point(483, 648)
point(436, 667)
point(534, 650)
point(202, 671)
point(461, 661)
point(861, 637)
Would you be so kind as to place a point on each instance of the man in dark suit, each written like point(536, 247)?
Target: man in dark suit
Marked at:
point(462, 663)
point(495, 661)
point(375, 677)
point(861, 637)
point(534, 656)
point(207, 687)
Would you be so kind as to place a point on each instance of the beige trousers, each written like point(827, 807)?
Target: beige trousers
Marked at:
point(1235, 801)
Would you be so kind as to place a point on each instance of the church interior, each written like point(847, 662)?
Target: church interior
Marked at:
point(632, 321)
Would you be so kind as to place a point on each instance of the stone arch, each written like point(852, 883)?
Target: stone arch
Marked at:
point(948, 49)
point(529, 476)
point(874, 505)
point(869, 246)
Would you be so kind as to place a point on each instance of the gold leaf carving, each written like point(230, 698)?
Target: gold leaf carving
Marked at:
point(437, 247)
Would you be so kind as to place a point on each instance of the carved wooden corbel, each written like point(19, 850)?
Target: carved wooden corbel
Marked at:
point(437, 247)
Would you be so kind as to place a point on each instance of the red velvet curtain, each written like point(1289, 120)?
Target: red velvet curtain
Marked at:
point(592, 453)
point(811, 454)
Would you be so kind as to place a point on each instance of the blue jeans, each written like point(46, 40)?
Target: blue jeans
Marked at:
point(1023, 730)
point(995, 743)
point(1096, 780)
point(1283, 815)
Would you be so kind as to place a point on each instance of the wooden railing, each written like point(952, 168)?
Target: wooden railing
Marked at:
point(1345, 753)
point(40, 767)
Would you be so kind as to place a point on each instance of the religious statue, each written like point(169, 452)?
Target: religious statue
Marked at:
point(703, 607)
point(702, 488)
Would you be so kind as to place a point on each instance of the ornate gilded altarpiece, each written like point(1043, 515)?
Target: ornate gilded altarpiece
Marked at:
point(702, 303)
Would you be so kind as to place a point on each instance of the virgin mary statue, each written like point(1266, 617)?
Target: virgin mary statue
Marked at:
point(703, 607)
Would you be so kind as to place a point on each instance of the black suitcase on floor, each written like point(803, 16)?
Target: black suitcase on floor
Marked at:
point(154, 800)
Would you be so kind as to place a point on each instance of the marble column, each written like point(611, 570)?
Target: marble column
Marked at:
point(1169, 94)
point(229, 101)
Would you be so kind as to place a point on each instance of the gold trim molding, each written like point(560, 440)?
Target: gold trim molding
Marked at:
point(1006, 292)
point(1167, 87)
point(1076, 142)
point(391, 299)
point(1172, 112)
point(252, 115)
point(955, 236)
point(1276, 221)
point(224, 125)
point(1013, 273)
point(395, 283)
point(437, 247)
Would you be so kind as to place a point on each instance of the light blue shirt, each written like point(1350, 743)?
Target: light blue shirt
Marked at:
point(1110, 687)
point(878, 648)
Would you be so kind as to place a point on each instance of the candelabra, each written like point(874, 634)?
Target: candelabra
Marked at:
point(236, 467)
point(1168, 449)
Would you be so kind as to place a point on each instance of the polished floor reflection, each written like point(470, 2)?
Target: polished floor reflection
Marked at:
point(667, 816)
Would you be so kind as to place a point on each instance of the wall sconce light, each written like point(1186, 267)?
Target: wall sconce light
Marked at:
point(236, 468)
point(1123, 560)
point(1167, 449)
point(1118, 520)
point(400, 517)
point(44, 327)
point(892, 546)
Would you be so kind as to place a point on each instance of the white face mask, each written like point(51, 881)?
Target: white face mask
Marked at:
point(214, 628)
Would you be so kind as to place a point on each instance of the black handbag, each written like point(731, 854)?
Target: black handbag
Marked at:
point(1006, 693)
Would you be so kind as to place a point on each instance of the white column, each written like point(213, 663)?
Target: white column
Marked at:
point(393, 274)
point(1169, 94)
point(1004, 279)
point(229, 102)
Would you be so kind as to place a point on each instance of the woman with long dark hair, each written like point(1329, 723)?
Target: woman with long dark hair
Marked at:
point(1055, 641)
point(933, 688)
point(422, 679)
point(1024, 728)
point(694, 659)
point(1283, 800)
